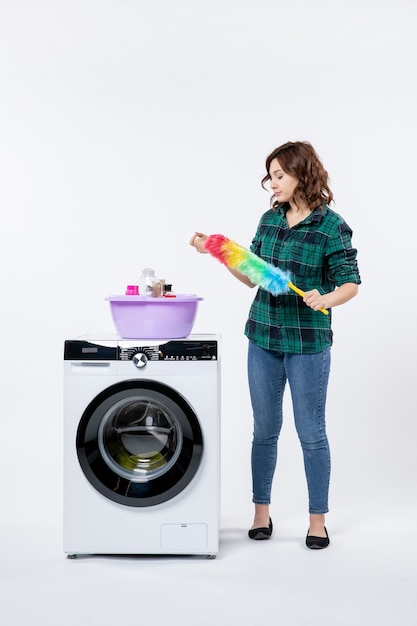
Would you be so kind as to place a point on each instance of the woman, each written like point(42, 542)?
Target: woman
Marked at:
point(289, 338)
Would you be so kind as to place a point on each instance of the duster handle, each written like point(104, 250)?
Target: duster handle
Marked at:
point(302, 294)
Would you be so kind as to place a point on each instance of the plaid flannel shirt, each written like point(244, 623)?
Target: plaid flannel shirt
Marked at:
point(318, 252)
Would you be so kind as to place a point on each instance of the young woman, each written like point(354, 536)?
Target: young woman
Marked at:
point(289, 338)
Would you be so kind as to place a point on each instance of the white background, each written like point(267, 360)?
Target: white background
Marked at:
point(126, 125)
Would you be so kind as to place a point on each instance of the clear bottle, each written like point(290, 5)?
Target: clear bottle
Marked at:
point(149, 284)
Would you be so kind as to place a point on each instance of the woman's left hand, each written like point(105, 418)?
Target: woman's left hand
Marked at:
point(315, 300)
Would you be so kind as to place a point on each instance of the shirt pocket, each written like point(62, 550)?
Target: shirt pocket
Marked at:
point(306, 260)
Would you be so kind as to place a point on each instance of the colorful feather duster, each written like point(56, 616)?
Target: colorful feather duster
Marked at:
point(259, 272)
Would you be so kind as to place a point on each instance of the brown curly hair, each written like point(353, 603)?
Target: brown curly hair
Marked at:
point(299, 159)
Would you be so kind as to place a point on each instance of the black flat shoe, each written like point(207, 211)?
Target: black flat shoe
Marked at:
point(317, 543)
point(261, 533)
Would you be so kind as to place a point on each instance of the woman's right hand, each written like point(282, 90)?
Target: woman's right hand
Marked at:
point(197, 241)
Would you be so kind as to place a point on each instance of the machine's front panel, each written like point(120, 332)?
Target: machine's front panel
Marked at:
point(142, 446)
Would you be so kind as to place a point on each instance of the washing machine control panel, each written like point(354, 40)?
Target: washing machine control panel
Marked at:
point(171, 351)
point(141, 353)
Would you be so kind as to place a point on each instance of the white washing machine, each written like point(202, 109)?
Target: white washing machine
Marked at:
point(142, 446)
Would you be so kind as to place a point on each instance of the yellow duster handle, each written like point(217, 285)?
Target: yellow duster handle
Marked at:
point(302, 294)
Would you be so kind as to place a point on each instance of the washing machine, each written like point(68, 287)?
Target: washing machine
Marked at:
point(142, 446)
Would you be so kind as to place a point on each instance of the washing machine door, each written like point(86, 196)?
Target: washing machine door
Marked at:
point(139, 443)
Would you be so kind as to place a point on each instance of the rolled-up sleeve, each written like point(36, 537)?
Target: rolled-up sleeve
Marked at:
point(341, 257)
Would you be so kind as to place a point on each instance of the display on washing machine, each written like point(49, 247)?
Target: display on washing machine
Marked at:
point(80, 350)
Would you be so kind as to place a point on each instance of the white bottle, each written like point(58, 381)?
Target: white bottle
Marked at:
point(149, 285)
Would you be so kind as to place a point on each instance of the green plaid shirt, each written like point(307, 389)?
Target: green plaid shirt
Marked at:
point(318, 252)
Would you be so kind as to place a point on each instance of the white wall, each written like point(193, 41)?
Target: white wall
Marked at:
point(125, 126)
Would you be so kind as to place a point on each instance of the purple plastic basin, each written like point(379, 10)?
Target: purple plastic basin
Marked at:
point(144, 317)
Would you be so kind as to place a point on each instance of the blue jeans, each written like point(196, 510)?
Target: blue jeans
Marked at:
point(307, 376)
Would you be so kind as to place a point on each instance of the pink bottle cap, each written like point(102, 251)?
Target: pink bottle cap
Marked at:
point(132, 290)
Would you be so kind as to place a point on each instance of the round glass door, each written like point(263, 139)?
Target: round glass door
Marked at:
point(139, 443)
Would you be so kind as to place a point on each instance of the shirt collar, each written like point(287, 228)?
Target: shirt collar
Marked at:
point(315, 216)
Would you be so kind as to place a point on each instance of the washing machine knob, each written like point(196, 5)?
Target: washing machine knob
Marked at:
point(140, 360)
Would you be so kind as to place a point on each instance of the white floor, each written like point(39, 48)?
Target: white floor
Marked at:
point(366, 577)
